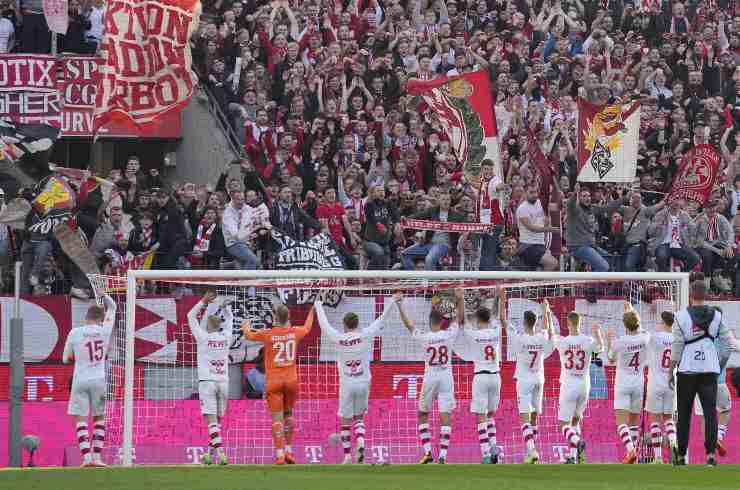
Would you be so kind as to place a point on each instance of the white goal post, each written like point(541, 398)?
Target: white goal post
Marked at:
point(350, 281)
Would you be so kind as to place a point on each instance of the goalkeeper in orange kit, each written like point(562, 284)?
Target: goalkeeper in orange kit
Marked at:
point(281, 387)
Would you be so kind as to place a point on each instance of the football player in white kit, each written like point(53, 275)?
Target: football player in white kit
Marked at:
point(629, 353)
point(438, 383)
point(661, 398)
point(531, 348)
point(213, 341)
point(87, 346)
point(481, 343)
point(575, 381)
point(354, 352)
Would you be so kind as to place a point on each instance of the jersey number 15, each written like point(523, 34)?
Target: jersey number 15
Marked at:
point(95, 350)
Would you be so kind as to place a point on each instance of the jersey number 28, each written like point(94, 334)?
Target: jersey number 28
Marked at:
point(284, 352)
point(438, 356)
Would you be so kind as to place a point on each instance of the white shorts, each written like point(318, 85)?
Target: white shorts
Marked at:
point(529, 396)
point(438, 387)
point(486, 393)
point(724, 401)
point(628, 398)
point(214, 396)
point(353, 399)
point(572, 400)
point(660, 400)
point(87, 393)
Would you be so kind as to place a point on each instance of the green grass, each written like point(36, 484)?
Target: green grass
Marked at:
point(325, 477)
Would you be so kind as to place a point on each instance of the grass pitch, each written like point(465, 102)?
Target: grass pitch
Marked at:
point(328, 477)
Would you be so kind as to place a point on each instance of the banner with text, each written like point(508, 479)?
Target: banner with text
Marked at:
point(61, 92)
point(146, 70)
point(694, 180)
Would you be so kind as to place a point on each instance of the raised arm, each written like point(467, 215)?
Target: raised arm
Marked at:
point(503, 316)
point(596, 334)
point(610, 335)
point(308, 325)
point(110, 313)
point(195, 326)
point(546, 312)
point(375, 327)
point(324, 324)
point(460, 306)
point(404, 318)
point(228, 323)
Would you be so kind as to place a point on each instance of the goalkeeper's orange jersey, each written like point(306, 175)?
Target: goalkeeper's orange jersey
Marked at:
point(281, 346)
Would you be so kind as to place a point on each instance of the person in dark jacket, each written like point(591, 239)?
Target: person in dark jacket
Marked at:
point(381, 221)
point(436, 244)
point(209, 245)
point(289, 218)
point(173, 236)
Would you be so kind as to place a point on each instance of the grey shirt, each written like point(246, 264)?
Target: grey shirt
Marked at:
point(581, 227)
point(638, 232)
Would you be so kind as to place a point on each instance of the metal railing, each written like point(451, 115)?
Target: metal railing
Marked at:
point(222, 120)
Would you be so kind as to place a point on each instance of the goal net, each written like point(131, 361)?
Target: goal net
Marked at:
point(153, 413)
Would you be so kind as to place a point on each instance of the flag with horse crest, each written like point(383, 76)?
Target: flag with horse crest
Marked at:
point(608, 140)
point(465, 109)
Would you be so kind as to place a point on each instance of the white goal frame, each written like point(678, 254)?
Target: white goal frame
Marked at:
point(184, 275)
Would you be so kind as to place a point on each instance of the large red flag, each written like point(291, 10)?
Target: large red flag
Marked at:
point(147, 62)
point(465, 109)
point(696, 175)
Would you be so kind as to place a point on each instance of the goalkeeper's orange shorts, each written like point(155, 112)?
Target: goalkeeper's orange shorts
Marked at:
point(281, 393)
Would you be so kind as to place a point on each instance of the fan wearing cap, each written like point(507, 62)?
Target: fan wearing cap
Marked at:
point(173, 243)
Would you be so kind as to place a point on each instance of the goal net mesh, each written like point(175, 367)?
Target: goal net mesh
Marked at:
point(168, 427)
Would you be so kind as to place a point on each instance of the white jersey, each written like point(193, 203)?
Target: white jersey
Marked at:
point(89, 346)
point(437, 349)
point(530, 352)
point(354, 348)
point(575, 357)
point(630, 352)
point(213, 348)
point(481, 346)
point(659, 358)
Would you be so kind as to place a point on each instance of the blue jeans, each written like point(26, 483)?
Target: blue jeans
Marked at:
point(593, 256)
point(34, 255)
point(664, 253)
point(489, 249)
point(378, 255)
point(634, 257)
point(431, 252)
point(244, 256)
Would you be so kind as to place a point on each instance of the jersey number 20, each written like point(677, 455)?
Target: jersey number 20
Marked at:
point(284, 352)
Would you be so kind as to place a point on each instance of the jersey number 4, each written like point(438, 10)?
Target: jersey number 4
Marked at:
point(95, 349)
point(575, 360)
point(284, 352)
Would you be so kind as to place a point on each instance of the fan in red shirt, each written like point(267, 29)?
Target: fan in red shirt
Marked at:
point(332, 216)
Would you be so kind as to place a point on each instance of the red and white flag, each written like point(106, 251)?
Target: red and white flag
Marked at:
point(696, 175)
point(465, 109)
point(146, 70)
point(56, 15)
point(608, 140)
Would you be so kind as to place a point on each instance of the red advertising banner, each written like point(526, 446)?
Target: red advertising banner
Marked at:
point(61, 92)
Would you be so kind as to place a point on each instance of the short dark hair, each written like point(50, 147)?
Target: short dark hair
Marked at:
point(699, 290)
point(483, 314)
point(574, 317)
point(667, 317)
point(351, 321)
point(530, 318)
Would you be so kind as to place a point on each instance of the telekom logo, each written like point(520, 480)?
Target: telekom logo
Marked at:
point(411, 383)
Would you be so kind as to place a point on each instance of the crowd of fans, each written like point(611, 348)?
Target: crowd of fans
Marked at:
point(334, 143)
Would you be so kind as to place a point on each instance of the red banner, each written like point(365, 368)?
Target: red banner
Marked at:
point(466, 112)
point(146, 71)
point(696, 175)
point(429, 225)
point(28, 89)
point(61, 92)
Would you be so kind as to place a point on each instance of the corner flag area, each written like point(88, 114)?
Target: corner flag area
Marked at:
point(327, 477)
